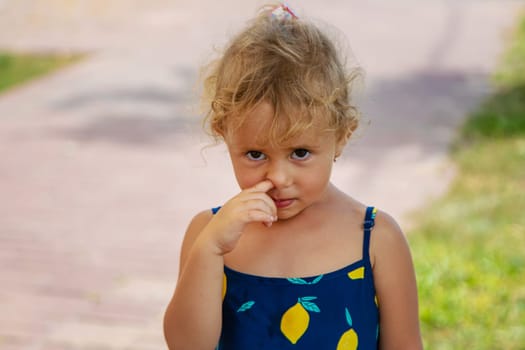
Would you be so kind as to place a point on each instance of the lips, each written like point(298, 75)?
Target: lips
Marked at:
point(282, 203)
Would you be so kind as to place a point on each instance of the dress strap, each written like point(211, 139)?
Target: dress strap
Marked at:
point(215, 210)
point(368, 224)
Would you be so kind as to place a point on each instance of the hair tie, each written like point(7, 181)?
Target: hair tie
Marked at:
point(283, 12)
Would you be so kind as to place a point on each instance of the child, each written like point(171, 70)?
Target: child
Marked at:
point(290, 262)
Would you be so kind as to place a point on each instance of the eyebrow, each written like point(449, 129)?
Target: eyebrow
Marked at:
point(304, 146)
point(307, 147)
point(290, 145)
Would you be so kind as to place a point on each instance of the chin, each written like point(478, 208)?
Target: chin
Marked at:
point(288, 214)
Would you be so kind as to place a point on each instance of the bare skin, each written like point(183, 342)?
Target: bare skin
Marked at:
point(199, 288)
point(288, 220)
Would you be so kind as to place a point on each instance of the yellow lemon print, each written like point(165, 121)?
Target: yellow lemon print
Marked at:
point(224, 283)
point(356, 274)
point(295, 322)
point(349, 339)
point(296, 319)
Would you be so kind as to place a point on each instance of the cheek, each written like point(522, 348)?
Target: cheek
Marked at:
point(320, 180)
point(246, 177)
point(317, 180)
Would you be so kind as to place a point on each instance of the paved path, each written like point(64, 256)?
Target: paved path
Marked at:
point(101, 165)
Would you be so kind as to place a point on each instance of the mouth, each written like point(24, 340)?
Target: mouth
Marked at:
point(283, 203)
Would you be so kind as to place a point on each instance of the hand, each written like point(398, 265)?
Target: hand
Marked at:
point(251, 205)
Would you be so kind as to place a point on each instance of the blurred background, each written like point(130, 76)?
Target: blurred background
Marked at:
point(103, 160)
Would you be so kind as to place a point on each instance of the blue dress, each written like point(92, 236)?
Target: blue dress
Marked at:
point(337, 310)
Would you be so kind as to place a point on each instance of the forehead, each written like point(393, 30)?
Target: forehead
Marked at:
point(261, 127)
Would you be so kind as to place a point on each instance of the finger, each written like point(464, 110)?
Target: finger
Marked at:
point(271, 205)
point(263, 186)
point(268, 223)
point(260, 216)
point(258, 198)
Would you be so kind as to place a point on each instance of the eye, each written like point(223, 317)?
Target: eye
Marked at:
point(255, 155)
point(300, 154)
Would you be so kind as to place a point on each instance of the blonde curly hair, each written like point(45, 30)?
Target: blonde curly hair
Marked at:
point(291, 64)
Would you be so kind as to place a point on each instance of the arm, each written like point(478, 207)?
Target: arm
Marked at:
point(194, 315)
point(396, 287)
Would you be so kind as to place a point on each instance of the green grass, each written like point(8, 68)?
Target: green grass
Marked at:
point(19, 68)
point(469, 246)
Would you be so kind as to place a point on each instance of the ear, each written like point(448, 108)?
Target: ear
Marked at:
point(341, 143)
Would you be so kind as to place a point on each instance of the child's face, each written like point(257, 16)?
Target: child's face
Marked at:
point(299, 171)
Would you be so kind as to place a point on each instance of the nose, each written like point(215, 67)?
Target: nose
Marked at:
point(280, 174)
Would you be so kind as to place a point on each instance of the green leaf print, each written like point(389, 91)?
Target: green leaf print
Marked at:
point(306, 302)
point(307, 298)
point(246, 306)
point(297, 281)
point(312, 307)
point(317, 279)
point(348, 317)
point(302, 281)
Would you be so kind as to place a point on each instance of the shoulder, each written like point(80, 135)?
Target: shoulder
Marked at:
point(201, 219)
point(387, 238)
point(197, 223)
